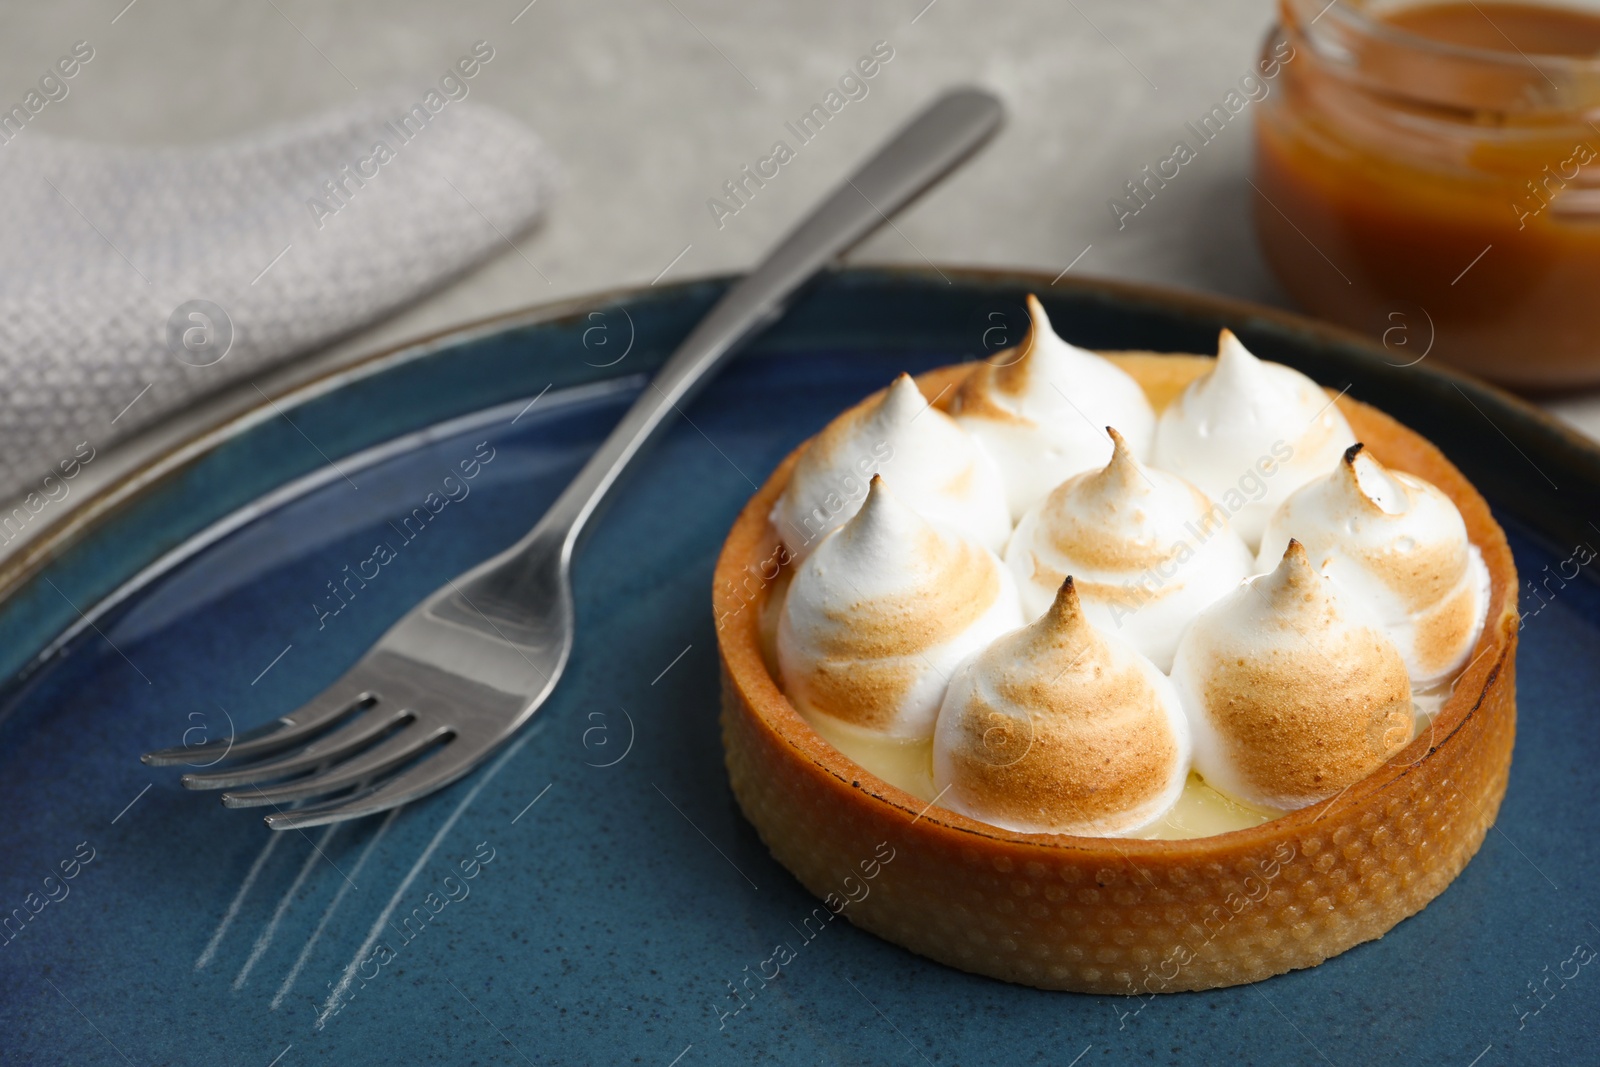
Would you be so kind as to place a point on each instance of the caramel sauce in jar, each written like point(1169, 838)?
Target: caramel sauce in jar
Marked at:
point(1429, 174)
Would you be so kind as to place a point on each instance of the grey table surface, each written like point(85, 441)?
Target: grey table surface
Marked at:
point(652, 105)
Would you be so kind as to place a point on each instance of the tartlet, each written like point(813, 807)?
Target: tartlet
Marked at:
point(1116, 915)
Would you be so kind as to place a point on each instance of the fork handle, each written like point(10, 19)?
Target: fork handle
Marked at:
point(934, 142)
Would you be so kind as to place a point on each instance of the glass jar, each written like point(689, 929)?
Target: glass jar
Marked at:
point(1430, 174)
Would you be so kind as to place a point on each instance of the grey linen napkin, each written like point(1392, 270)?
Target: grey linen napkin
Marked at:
point(134, 280)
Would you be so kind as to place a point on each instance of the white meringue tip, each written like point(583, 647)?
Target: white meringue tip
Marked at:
point(1228, 344)
point(886, 526)
point(1038, 328)
point(880, 506)
point(1038, 319)
point(1232, 356)
point(902, 401)
point(1370, 482)
point(1359, 469)
point(903, 397)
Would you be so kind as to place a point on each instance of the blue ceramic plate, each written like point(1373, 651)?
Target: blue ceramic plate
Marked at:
point(589, 896)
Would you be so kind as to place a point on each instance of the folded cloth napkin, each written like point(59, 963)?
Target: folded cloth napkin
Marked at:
point(133, 280)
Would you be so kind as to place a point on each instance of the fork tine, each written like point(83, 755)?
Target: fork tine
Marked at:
point(383, 757)
point(444, 766)
point(343, 741)
point(192, 754)
point(300, 725)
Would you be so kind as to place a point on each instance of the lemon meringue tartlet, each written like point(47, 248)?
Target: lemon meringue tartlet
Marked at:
point(1019, 878)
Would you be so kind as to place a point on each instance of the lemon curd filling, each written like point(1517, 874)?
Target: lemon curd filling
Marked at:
point(1200, 811)
point(905, 765)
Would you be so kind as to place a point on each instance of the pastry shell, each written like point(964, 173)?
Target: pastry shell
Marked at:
point(1109, 915)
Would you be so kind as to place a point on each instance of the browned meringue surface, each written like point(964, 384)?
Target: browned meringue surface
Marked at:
point(1126, 915)
point(933, 465)
point(1294, 699)
point(1397, 544)
point(883, 611)
point(1090, 735)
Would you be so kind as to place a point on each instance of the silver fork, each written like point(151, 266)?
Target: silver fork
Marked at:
point(467, 667)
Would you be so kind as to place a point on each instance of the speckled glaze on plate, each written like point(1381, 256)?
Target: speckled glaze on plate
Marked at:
point(619, 913)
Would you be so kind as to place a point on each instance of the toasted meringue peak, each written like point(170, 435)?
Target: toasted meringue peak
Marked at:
point(1291, 694)
point(1149, 551)
point(1249, 433)
point(937, 468)
point(1037, 409)
point(1060, 728)
point(879, 616)
point(1122, 472)
point(1397, 547)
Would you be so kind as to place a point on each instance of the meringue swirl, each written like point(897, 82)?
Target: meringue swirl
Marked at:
point(1147, 551)
point(1396, 545)
point(879, 616)
point(1292, 695)
point(1249, 433)
point(1060, 728)
point(937, 469)
point(1038, 409)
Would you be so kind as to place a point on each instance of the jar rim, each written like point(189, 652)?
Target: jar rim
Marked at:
point(1404, 64)
point(1353, 15)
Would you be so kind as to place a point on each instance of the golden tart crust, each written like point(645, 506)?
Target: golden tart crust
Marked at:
point(1108, 915)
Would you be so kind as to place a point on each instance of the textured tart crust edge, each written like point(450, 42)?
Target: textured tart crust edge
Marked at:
point(1104, 915)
